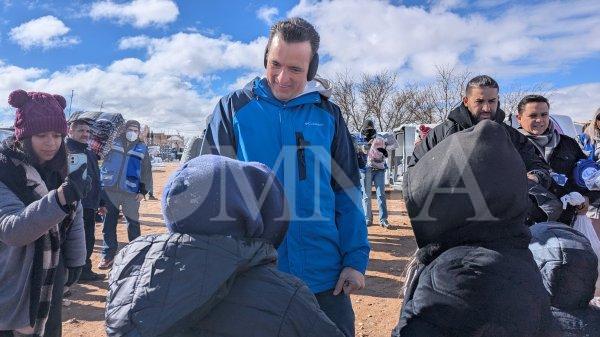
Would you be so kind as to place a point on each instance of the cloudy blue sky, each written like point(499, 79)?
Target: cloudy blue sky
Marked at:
point(167, 62)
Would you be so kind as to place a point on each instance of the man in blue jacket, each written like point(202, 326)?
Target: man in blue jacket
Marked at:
point(125, 173)
point(287, 122)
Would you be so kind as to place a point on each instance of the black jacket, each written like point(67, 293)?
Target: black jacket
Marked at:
point(563, 160)
point(569, 272)
point(460, 119)
point(92, 198)
point(180, 285)
point(475, 275)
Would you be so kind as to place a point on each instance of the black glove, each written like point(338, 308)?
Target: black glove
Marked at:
point(73, 275)
point(74, 185)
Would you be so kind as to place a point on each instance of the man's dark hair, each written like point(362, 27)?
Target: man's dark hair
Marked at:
point(480, 82)
point(531, 99)
point(295, 30)
point(78, 122)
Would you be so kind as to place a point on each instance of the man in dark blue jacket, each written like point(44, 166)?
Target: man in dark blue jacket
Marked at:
point(287, 122)
point(77, 142)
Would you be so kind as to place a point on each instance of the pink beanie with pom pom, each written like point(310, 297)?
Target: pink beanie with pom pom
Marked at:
point(38, 112)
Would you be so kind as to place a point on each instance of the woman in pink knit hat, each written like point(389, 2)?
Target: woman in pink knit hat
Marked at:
point(42, 243)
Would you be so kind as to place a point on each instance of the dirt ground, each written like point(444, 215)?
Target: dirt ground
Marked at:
point(376, 307)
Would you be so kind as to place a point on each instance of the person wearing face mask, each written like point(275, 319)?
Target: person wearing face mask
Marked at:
point(125, 174)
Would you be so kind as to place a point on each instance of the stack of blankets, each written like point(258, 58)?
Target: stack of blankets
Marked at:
point(104, 128)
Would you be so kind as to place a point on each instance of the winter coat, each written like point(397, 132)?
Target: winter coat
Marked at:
point(467, 201)
point(460, 119)
point(193, 285)
point(563, 160)
point(20, 227)
point(92, 198)
point(305, 141)
point(569, 272)
point(377, 154)
point(126, 168)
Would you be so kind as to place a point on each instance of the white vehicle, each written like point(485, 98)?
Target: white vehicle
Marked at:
point(406, 136)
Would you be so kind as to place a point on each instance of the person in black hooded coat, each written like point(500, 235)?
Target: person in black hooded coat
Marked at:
point(474, 275)
point(214, 273)
point(569, 269)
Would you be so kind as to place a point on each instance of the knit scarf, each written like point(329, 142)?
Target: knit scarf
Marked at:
point(546, 142)
point(27, 184)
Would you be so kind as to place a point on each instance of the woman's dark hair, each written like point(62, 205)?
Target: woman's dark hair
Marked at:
point(57, 164)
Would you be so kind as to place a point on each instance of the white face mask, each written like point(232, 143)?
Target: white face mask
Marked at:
point(131, 136)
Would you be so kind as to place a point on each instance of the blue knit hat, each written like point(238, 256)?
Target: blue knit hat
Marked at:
point(215, 195)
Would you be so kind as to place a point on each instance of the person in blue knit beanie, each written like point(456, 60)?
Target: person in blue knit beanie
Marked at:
point(215, 272)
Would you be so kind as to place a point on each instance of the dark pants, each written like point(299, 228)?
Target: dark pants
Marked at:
point(339, 310)
point(131, 208)
point(54, 322)
point(89, 226)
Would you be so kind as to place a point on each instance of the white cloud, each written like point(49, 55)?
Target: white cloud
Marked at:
point(578, 101)
point(241, 81)
point(46, 32)
point(519, 40)
point(139, 13)
point(194, 55)
point(267, 14)
point(163, 102)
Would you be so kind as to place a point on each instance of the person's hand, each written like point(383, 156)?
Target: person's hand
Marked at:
point(583, 208)
point(139, 197)
point(73, 275)
point(102, 210)
point(533, 177)
point(73, 188)
point(350, 281)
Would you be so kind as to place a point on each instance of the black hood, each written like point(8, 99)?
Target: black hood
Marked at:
point(482, 163)
point(462, 116)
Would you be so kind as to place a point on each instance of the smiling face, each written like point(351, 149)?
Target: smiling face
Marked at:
point(46, 145)
point(287, 67)
point(482, 102)
point(535, 117)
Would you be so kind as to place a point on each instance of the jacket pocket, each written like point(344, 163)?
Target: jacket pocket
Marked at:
point(301, 145)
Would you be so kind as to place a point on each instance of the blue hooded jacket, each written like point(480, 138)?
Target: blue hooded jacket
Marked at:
point(306, 142)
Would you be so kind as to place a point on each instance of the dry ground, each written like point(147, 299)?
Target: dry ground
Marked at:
point(376, 307)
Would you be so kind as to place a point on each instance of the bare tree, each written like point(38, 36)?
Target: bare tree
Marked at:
point(511, 97)
point(447, 90)
point(376, 93)
point(419, 107)
point(345, 96)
